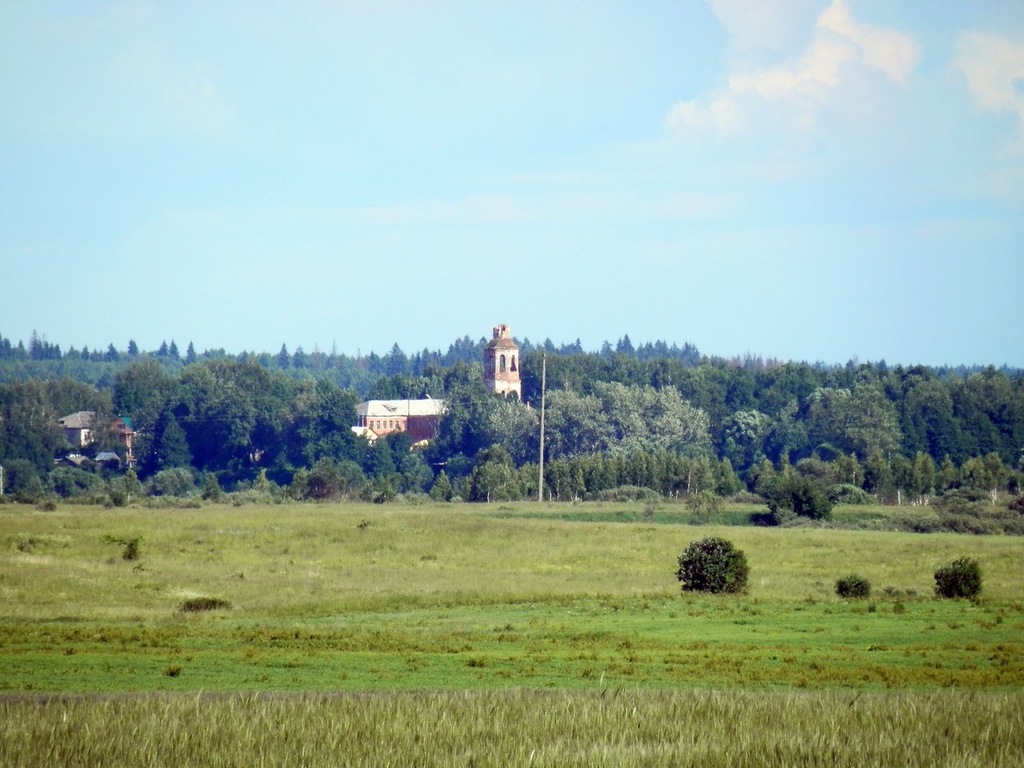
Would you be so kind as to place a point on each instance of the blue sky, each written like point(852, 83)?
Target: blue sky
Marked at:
point(799, 179)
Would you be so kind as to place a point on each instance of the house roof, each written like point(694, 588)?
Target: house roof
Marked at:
point(79, 420)
point(76, 460)
point(105, 456)
point(382, 409)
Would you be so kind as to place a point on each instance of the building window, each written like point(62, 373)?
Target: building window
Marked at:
point(513, 363)
point(501, 364)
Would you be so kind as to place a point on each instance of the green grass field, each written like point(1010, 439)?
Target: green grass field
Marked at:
point(455, 622)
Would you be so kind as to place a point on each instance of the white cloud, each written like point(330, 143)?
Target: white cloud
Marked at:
point(840, 48)
point(723, 115)
point(892, 52)
point(994, 69)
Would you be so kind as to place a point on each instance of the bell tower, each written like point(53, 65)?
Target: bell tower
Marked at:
point(501, 363)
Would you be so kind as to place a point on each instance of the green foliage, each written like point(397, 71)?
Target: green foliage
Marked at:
point(494, 477)
point(21, 480)
point(172, 482)
point(170, 444)
point(116, 496)
point(70, 482)
point(441, 490)
point(623, 418)
point(629, 493)
point(200, 604)
point(211, 490)
point(130, 546)
point(959, 578)
point(713, 565)
point(799, 496)
point(325, 481)
point(640, 415)
point(850, 495)
point(704, 505)
point(853, 586)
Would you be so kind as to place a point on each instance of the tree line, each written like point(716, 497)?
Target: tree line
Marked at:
point(41, 359)
point(656, 416)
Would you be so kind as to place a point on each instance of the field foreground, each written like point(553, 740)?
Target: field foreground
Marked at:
point(522, 727)
point(491, 635)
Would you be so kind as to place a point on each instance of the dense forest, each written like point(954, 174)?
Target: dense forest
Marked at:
point(655, 416)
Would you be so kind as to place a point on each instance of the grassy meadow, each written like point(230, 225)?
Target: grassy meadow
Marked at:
point(493, 635)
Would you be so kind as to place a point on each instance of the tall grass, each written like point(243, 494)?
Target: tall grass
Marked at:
point(518, 728)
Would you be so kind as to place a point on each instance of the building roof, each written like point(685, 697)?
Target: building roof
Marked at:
point(76, 460)
point(79, 420)
point(383, 409)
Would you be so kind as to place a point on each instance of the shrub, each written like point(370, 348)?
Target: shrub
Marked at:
point(441, 490)
point(626, 493)
point(1017, 505)
point(853, 586)
point(845, 493)
point(712, 565)
point(325, 481)
point(211, 489)
point(198, 604)
point(960, 578)
point(176, 481)
point(801, 497)
point(129, 546)
point(70, 482)
point(704, 505)
point(116, 497)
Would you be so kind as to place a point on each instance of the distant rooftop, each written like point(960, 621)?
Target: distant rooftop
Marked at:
point(382, 409)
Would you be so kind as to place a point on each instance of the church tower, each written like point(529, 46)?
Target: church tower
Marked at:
point(501, 363)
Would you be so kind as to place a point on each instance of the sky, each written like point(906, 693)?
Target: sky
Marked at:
point(797, 179)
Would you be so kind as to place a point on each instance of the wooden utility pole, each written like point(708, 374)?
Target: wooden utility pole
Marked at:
point(543, 385)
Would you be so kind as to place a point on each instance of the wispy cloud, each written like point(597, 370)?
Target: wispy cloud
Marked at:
point(113, 73)
point(994, 69)
point(840, 50)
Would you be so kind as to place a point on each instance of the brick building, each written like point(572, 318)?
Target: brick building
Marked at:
point(420, 418)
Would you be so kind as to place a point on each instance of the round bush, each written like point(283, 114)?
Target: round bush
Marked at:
point(853, 586)
point(960, 578)
point(712, 565)
point(800, 497)
point(845, 493)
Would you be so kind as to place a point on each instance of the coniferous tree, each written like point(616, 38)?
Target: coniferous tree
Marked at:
point(170, 447)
